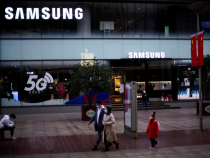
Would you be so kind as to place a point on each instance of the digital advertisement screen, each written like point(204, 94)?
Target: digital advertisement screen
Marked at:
point(128, 104)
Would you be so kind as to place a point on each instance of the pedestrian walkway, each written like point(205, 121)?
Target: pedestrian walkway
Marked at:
point(48, 135)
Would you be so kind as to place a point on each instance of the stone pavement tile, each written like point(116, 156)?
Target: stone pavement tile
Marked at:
point(131, 152)
point(61, 155)
point(9, 156)
point(205, 153)
point(96, 154)
point(180, 149)
point(22, 156)
point(196, 156)
point(137, 156)
point(41, 156)
point(174, 155)
point(78, 155)
point(147, 152)
point(156, 156)
point(190, 154)
point(114, 153)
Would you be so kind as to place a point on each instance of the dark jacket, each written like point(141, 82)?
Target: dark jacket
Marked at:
point(100, 124)
point(144, 98)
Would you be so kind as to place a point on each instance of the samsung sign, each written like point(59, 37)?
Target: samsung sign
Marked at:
point(33, 13)
point(146, 55)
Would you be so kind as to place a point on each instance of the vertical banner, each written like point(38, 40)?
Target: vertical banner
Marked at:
point(200, 48)
point(193, 50)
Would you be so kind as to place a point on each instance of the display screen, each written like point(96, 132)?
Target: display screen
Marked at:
point(128, 104)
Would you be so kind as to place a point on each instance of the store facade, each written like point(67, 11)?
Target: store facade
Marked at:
point(145, 42)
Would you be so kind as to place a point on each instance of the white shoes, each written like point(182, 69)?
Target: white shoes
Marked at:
point(151, 148)
point(13, 138)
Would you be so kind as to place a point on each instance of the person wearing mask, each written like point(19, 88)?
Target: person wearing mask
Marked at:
point(144, 100)
point(109, 132)
point(153, 130)
point(98, 117)
point(7, 123)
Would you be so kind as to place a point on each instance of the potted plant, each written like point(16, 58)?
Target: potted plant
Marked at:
point(91, 78)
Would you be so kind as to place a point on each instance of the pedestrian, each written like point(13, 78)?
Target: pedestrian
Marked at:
point(7, 123)
point(98, 117)
point(8, 95)
point(144, 100)
point(109, 131)
point(153, 130)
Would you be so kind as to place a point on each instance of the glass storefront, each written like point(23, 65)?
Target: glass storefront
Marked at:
point(41, 41)
point(164, 80)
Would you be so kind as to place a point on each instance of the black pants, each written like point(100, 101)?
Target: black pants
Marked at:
point(99, 138)
point(153, 142)
point(11, 129)
point(105, 142)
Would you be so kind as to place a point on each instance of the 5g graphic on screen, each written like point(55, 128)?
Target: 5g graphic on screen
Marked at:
point(47, 79)
point(33, 13)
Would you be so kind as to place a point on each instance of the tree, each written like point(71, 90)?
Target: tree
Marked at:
point(205, 72)
point(90, 78)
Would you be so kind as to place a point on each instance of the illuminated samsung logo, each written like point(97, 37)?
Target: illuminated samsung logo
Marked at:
point(132, 55)
point(33, 13)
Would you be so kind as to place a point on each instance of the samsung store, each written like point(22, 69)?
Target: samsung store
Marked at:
point(147, 42)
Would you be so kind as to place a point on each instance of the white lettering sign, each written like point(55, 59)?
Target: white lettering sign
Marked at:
point(34, 13)
point(47, 79)
point(147, 55)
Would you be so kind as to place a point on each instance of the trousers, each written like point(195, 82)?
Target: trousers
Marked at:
point(153, 142)
point(145, 104)
point(11, 129)
point(99, 138)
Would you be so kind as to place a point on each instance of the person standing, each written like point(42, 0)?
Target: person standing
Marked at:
point(109, 132)
point(144, 100)
point(8, 95)
point(98, 117)
point(6, 123)
point(153, 130)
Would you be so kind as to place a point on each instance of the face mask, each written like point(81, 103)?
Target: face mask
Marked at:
point(97, 106)
point(144, 91)
point(105, 111)
point(150, 118)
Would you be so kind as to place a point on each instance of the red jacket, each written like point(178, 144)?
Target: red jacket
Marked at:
point(152, 129)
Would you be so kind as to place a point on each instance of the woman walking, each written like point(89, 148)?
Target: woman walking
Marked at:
point(109, 133)
point(153, 130)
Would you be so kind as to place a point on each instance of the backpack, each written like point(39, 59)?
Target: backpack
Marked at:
point(158, 126)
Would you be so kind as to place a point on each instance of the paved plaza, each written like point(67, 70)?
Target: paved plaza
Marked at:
point(64, 135)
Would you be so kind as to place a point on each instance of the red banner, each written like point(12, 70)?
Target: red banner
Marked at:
point(193, 50)
point(200, 49)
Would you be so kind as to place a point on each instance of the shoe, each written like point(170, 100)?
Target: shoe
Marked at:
point(13, 138)
point(95, 147)
point(156, 145)
point(106, 149)
point(117, 145)
point(151, 148)
point(109, 144)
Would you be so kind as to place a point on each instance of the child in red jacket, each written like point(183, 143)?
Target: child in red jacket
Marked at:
point(153, 130)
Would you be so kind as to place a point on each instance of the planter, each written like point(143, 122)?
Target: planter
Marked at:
point(205, 108)
point(87, 112)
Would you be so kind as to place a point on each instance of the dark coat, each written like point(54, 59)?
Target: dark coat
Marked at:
point(100, 124)
point(144, 98)
point(152, 129)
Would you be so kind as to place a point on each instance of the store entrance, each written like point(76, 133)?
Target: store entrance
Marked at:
point(152, 75)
